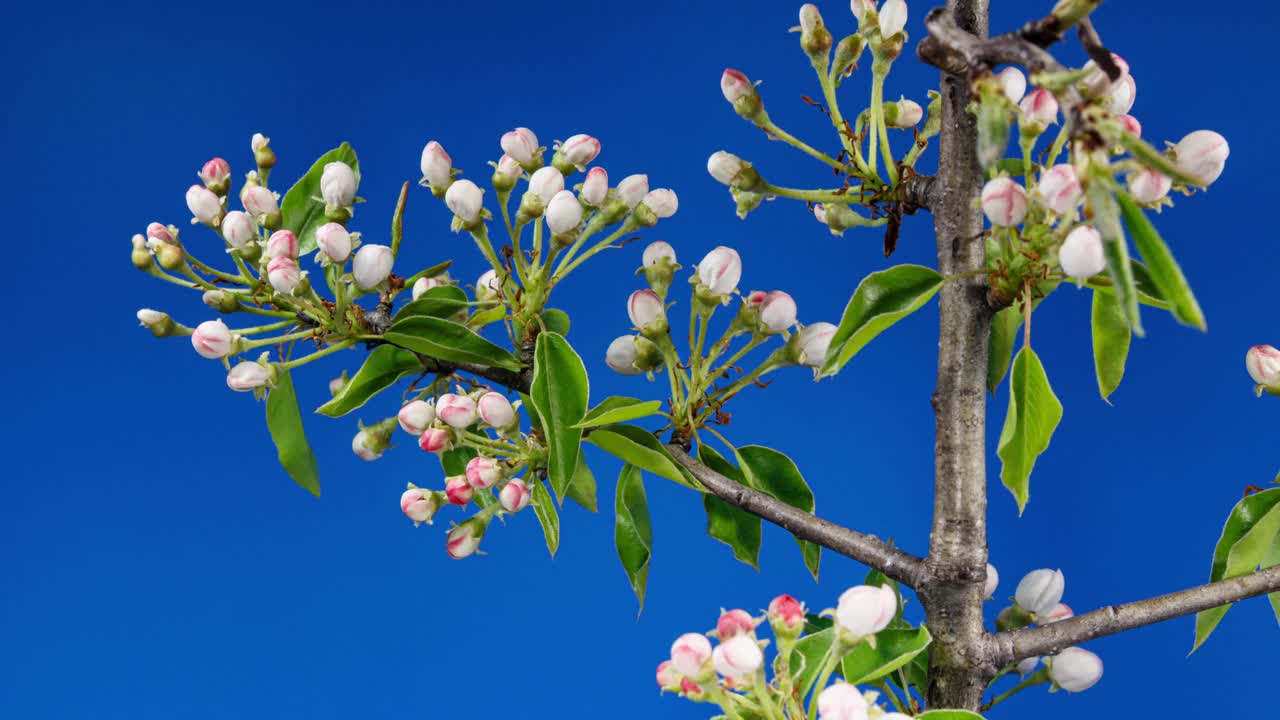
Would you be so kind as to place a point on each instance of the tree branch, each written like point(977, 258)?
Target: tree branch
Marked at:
point(867, 549)
point(1014, 645)
point(518, 381)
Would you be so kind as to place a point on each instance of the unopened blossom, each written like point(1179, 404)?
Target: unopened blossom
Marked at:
point(372, 265)
point(204, 205)
point(579, 150)
point(465, 200)
point(457, 490)
point(259, 202)
point(362, 446)
point(434, 440)
point(841, 701)
point(338, 184)
point(1040, 590)
point(1082, 254)
point(419, 505)
point(862, 9)
point(423, 284)
point(282, 243)
point(735, 85)
point(621, 355)
point(738, 657)
point(662, 202)
point(1096, 81)
point(595, 188)
point(564, 212)
point(457, 411)
point(1263, 362)
point(506, 173)
point(496, 410)
point(488, 286)
point(1120, 98)
point(1131, 125)
point(483, 472)
point(416, 416)
point(160, 324)
point(1060, 189)
point(212, 339)
point(1013, 82)
point(334, 241)
point(690, 653)
point(720, 270)
point(1202, 154)
point(633, 189)
point(546, 183)
point(1039, 109)
point(338, 384)
point(520, 144)
point(238, 229)
point(777, 312)
point(284, 275)
point(725, 167)
point(992, 581)
point(220, 300)
point(1075, 669)
point(866, 609)
point(464, 539)
point(1061, 611)
point(1027, 665)
point(1148, 186)
point(158, 233)
point(246, 376)
point(734, 622)
point(668, 678)
point(216, 175)
point(515, 496)
point(905, 113)
point(786, 616)
point(437, 166)
point(893, 18)
point(814, 340)
point(658, 252)
point(646, 310)
point(1004, 202)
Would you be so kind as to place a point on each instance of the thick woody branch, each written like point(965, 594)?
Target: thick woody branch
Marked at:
point(518, 381)
point(1015, 645)
point(957, 52)
point(867, 549)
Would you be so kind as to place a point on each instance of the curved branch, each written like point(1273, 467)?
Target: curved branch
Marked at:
point(867, 549)
point(518, 381)
point(1014, 645)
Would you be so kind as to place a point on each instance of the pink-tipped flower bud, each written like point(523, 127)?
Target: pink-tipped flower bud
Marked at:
point(579, 150)
point(1004, 202)
point(866, 610)
point(364, 446)
point(420, 505)
point(496, 410)
point(261, 203)
point(334, 241)
point(1061, 611)
point(893, 18)
point(564, 212)
point(157, 233)
point(1202, 154)
point(464, 539)
point(204, 205)
point(668, 678)
point(239, 229)
point(662, 202)
point(465, 200)
point(483, 472)
point(734, 622)
point(546, 183)
point(1120, 98)
point(520, 144)
point(416, 416)
point(813, 342)
point(283, 243)
point(738, 658)
point(777, 312)
point(338, 185)
point(216, 175)
point(246, 376)
point(1148, 186)
point(437, 166)
point(372, 265)
point(457, 490)
point(1039, 110)
point(1040, 590)
point(720, 271)
point(1263, 362)
point(841, 701)
point(621, 356)
point(515, 496)
point(1082, 255)
point(212, 339)
point(690, 654)
point(284, 275)
point(434, 440)
point(633, 189)
point(646, 311)
point(423, 284)
point(992, 582)
point(595, 188)
point(1060, 188)
point(1014, 84)
point(1075, 669)
point(1131, 125)
point(786, 616)
point(457, 411)
point(741, 93)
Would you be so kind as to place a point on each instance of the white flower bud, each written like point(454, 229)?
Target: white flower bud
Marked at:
point(690, 654)
point(457, 411)
point(334, 241)
point(239, 229)
point(1096, 82)
point(1061, 611)
point(1040, 590)
point(662, 202)
point(621, 355)
point(1039, 109)
point(580, 150)
point(515, 496)
point(372, 265)
point(360, 445)
point(488, 287)
point(645, 309)
point(496, 410)
point(1120, 98)
point(906, 113)
point(893, 18)
point(1148, 186)
point(992, 582)
point(1263, 362)
point(720, 271)
point(423, 284)
point(725, 166)
point(1082, 255)
point(204, 205)
point(866, 610)
point(1060, 189)
point(738, 657)
point(564, 212)
point(841, 701)
point(520, 144)
point(814, 341)
point(246, 376)
point(465, 200)
point(259, 142)
point(259, 201)
point(595, 188)
point(546, 183)
point(1004, 202)
point(1027, 665)
point(1014, 84)
point(212, 339)
point(1075, 669)
point(657, 251)
point(284, 275)
point(1203, 154)
point(282, 243)
point(416, 416)
point(338, 184)
point(437, 166)
point(633, 189)
point(777, 312)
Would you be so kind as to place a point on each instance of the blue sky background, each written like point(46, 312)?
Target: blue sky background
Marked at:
point(157, 563)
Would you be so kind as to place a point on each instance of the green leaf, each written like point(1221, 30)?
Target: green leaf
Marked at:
point(582, 489)
point(948, 715)
point(882, 299)
point(556, 321)
point(1106, 219)
point(733, 526)
point(487, 316)
point(284, 420)
point(534, 420)
point(1250, 531)
point(632, 533)
point(1034, 412)
point(639, 447)
point(454, 460)
point(1004, 334)
point(893, 649)
point(1165, 273)
point(381, 369)
point(775, 474)
point(1111, 336)
point(449, 341)
point(616, 409)
point(544, 506)
point(559, 390)
point(301, 211)
point(806, 660)
point(443, 301)
point(1271, 559)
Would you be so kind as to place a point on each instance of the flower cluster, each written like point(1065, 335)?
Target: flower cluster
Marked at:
point(1038, 600)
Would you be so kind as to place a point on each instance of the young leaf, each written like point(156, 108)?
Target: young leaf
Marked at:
point(559, 390)
point(737, 528)
point(806, 660)
point(582, 489)
point(381, 369)
point(616, 409)
point(444, 301)
point(1034, 412)
point(893, 649)
point(1250, 531)
point(301, 210)
point(449, 341)
point(545, 508)
point(775, 474)
point(1271, 559)
point(632, 532)
point(1106, 218)
point(1165, 273)
point(1111, 336)
point(453, 462)
point(882, 299)
point(556, 321)
point(1004, 334)
point(284, 420)
point(638, 447)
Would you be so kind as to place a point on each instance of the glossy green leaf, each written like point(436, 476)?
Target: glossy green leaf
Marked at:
point(806, 659)
point(775, 474)
point(638, 447)
point(632, 532)
point(544, 506)
point(582, 489)
point(1111, 336)
point(893, 649)
point(534, 420)
point(948, 715)
point(454, 460)
point(733, 526)
point(284, 420)
point(556, 321)
point(1164, 270)
point(487, 316)
point(1271, 559)
point(385, 365)
point(449, 341)
point(1034, 412)
point(882, 299)
point(1106, 219)
point(1004, 335)
point(301, 210)
point(559, 390)
point(444, 301)
point(1250, 531)
point(616, 409)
